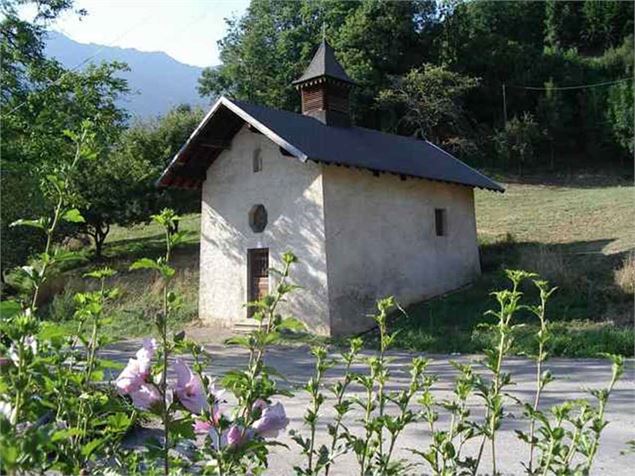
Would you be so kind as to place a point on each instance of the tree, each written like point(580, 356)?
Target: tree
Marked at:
point(271, 45)
point(430, 101)
point(558, 43)
point(39, 100)
point(518, 141)
point(120, 187)
point(606, 23)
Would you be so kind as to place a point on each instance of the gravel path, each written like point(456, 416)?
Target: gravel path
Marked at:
point(572, 376)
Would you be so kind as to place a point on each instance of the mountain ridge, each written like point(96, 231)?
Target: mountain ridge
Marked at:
point(157, 81)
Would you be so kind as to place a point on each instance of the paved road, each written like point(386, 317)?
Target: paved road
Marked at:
point(573, 375)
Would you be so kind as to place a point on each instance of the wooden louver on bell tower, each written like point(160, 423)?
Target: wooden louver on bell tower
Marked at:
point(325, 89)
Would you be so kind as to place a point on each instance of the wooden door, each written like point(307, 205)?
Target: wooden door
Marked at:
point(258, 275)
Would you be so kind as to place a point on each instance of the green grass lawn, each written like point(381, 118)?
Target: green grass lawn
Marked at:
point(578, 237)
point(148, 239)
point(591, 219)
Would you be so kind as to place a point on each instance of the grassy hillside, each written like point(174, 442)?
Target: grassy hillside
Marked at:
point(590, 218)
point(578, 237)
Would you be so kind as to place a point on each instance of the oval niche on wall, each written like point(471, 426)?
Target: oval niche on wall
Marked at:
point(258, 218)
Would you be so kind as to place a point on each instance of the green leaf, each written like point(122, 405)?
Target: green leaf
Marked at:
point(73, 216)
point(61, 255)
point(182, 427)
point(40, 223)
point(101, 273)
point(9, 308)
point(65, 434)
point(242, 341)
point(111, 364)
point(49, 331)
point(119, 422)
point(147, 263)
point(292, 324)
point(144, 263)
point(97, 375)
point(91, 446)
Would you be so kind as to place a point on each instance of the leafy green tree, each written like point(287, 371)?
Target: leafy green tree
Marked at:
point(518, 142)
point(430, 101)
point(271, 45)
point(620, 114)
point(555, 114)
point(606, 23)
point(558, 43)
point(563, 22)
point(39, 100)
point(371, 60)
point(263, 52)
point(120, 187)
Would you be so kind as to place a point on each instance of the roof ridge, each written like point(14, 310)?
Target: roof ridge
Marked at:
point(358, 147)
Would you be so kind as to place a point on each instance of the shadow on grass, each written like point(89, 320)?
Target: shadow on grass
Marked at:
point(589, 311)
point(149, 246)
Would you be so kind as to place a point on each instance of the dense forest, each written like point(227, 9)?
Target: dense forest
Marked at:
point(520, 87)
point(511, 85)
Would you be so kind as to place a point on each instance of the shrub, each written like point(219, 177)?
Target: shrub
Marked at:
point(62, 307)
point(625, 274)
point(518, 141)
point(56, 415)
point(20, 197)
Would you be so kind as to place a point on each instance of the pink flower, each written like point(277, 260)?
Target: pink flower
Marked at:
point(145, 356)
point(236, 436)
point(205, 425)
point(138, 370)
point(189, 389)
point(130, 378)
point(146, 397)
point(202, 426)
point(259, 404)
point(273, 420)
point(29, 343)
point(218, 441)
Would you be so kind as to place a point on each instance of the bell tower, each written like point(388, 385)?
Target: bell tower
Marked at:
point(325, 89)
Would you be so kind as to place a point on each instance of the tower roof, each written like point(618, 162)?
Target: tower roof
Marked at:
point(323, 64)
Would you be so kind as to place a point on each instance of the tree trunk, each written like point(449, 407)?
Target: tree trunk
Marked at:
point(99, 233)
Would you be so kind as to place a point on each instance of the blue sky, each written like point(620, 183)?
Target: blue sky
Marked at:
point(187, 30)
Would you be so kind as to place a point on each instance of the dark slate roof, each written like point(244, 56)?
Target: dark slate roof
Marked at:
point(324, 63)
point(309, 139)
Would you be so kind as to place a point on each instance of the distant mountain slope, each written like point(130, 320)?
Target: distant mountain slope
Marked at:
point(157, 82)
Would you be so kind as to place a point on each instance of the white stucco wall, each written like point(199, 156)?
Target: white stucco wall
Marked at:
point(381, 241)
point(292, 194)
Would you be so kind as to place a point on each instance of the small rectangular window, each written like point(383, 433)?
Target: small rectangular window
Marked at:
point(257, 161)
point(440, 222)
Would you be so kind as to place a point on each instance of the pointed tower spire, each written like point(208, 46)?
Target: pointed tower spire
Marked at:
point(325, 88)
